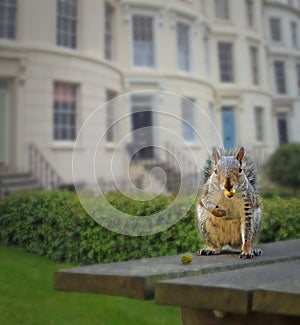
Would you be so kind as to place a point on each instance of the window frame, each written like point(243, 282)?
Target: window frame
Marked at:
point(64, 126)
point(109, 18)
point(188, 119)
point(110, 134)
point(151, 16)
point(280, 77)
point(294, 34)
point(67, 39)
point(188, 64)
point(298, 77)
point(275, 30)
point(9, 26)
point(207, 50)
point(254, 65)
point(226, 68)
point(203, 7)
point(222, 10)
point(250, 13)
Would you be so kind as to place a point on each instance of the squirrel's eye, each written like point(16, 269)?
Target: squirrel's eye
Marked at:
point(215, 171)
point(240, 169)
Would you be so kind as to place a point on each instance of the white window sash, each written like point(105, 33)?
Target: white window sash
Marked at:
point(143, 41)
point(184, 46)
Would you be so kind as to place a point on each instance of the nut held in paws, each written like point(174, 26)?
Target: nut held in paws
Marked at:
point(229, 193)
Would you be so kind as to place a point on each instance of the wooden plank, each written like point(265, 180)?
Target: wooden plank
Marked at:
point(136, 279)
point(232, 291)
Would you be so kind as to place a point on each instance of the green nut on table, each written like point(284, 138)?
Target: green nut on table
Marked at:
point(186, 258)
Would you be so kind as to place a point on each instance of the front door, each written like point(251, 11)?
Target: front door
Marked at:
point(228, 126)
point(142, 122)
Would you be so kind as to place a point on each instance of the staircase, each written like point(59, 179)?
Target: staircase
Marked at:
point(12, 182)
point(41, 175)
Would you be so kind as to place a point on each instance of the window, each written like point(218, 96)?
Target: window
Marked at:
point(188, 119)
point(250, 12)
point(143, 41)
point(298, 77)
point(204, 6)
point(282, 126)
point(64, 111)
point(279, 71)
point(207, 55)
point(259, 123)
point(254, 65)
point(225, 62)
point(183, 47)
point(110, 116)
point(109, 18)
point(275, 28)
point(294, 34)
point(8, 14)
point(66, 23)
point(222, 9)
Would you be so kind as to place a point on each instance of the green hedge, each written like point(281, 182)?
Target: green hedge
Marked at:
point(281, 219)
point(274, 193)
point(55, 225)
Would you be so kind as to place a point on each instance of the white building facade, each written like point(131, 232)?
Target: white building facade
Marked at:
point(60, 60)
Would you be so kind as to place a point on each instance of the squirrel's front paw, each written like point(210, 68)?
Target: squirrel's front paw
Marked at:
point(218, 212)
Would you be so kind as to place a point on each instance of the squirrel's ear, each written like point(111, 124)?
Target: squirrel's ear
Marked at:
point(216, 155)
point(240, 155)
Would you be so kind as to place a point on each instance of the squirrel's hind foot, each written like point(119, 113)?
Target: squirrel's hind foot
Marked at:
point(257, 251)
point(254, 252)
point(246, 255)
point(207, 251)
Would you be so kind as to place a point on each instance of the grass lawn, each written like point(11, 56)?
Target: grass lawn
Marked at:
point(27, 297)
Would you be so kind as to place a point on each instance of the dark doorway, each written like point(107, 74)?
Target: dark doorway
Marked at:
point(142, 122)
point(282, 125)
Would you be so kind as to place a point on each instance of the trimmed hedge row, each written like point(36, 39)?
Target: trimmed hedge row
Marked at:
point(55, 225)
point(281, 219)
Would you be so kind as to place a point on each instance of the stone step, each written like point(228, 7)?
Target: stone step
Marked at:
point(5, 169)
point(12, 182)
point(15, 177)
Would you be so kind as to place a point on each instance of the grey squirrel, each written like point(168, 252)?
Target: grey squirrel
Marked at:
point(229, 212)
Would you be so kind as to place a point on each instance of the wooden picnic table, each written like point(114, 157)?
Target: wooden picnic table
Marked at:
point(220, 289)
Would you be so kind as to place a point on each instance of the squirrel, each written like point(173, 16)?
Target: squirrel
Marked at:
point(229, 212)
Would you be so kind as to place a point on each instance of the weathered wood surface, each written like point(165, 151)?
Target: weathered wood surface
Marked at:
point(271, 288)
point(137, 279)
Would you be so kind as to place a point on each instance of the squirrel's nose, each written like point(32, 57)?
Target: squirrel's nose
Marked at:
point(228, 184)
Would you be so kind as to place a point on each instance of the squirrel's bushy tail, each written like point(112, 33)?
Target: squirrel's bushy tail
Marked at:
point(248, 166)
